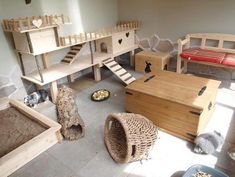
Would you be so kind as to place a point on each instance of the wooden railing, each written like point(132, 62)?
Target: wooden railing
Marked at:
point(34, 22)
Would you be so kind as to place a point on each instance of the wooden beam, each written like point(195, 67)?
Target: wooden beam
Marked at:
point(54, 91)
point(45, 60)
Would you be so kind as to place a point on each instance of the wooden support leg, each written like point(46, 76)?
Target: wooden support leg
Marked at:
point(39, 87)
point(45, 60)
point(97, 73)
point(54, 91)
point(233, 75)
point(71, 78)
point(59, 136)
point(21, 63)
point(132, 58)
point(178, 67)
point(185, 69)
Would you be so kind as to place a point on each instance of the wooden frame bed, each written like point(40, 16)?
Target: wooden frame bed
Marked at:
point(21, 155)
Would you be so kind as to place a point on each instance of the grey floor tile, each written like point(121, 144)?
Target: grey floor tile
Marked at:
point(104, 166)
point(44, 166)
point(74, 154)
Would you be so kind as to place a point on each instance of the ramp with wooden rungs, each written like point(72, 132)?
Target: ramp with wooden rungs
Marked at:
point(119, 71)
point(72, 54)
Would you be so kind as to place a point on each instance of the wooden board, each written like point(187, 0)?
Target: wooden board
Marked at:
point(171, 101)
point(29, 150)
point(60, 70)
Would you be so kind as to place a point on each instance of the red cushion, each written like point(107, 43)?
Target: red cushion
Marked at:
point(203, 55)
point(229, 60)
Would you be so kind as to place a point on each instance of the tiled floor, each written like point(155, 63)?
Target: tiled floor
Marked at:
point(170, 156)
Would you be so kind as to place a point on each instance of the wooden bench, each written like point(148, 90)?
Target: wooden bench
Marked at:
point(206, 48)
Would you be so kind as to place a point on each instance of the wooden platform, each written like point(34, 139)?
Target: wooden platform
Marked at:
point(180, 104)
point(60, 70)
point(32, 148)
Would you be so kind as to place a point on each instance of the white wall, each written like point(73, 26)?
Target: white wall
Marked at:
point(86, 15)
point(175, 18)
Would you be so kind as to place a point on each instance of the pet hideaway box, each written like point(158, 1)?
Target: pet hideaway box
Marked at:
point(129, 137)
point(147, 61)
point(177, 103)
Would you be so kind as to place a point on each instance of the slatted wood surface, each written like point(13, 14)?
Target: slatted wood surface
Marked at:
point(120, 72)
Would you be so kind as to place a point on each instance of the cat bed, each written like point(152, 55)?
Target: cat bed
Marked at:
point(129, 137)
point(72, 125)
point(24, 134)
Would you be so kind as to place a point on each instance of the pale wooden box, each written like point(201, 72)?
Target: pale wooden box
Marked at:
point(36, 41)
point(116, 43)
point(179, 104)
point(158, 60)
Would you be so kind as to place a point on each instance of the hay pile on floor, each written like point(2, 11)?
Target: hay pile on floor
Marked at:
point(68, 116)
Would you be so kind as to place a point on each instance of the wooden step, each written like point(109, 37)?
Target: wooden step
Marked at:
point(77, 47)
point(126, 76)
point(130, 80)
point(72, 54)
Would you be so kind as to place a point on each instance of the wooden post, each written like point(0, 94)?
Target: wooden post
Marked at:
point(97, 73)
point(28, 23)
point(132, 58)
point(70, 40)
point(80, 35)
point(54, 91)
point(50, 19)
point(45, 60)
point(71, 78)
point(14, 25)
point(62, 18)
point(47, 19)
point(20, 25)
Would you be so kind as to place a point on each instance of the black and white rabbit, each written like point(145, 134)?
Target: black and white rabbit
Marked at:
point(36, 97)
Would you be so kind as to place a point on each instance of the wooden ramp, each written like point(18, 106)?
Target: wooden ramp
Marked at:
point(72, 54)
point(119, 71)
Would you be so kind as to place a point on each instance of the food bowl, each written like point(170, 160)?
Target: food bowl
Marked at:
point(100, 95)
point(195, 169)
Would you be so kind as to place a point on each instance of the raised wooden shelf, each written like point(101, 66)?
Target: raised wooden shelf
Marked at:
point(60, 70)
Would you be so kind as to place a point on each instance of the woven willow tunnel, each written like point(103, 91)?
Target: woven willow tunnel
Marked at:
point(129, 137)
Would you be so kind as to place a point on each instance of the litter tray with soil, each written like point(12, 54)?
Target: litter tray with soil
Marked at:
point(24, 134)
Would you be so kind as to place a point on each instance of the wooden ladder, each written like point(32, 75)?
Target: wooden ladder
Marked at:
point(119, 71)
point(72, 54)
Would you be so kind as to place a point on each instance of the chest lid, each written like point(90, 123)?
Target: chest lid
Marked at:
point(184, 89)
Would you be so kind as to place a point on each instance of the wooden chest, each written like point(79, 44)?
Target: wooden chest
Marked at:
point(147, 61)
point(179, 104)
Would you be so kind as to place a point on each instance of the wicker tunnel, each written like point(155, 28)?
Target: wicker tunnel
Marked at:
point(129, 137)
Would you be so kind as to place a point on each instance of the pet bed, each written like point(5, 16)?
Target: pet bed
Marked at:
point(129, 137)
point(24, 133)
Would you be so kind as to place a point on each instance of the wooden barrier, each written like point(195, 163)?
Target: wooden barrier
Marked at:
point(104, 32)
point(28, 23)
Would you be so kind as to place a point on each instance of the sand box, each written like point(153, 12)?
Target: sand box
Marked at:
point(16, 129)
